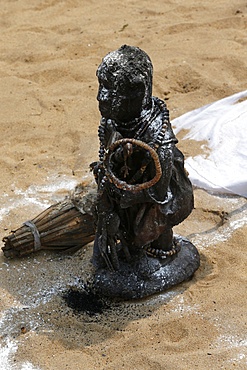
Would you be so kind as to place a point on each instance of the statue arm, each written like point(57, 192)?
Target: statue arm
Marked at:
point(159, 191)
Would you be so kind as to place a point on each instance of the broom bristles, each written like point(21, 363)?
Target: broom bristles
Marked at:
point(67, 225)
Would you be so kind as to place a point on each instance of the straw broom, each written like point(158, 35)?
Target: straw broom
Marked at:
point(67, 226)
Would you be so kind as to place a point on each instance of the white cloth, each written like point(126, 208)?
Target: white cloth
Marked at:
point(223, 125)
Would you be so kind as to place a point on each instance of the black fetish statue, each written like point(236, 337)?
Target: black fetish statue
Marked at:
point(143, 189)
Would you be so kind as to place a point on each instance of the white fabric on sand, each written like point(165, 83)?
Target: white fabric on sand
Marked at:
point(223, 124)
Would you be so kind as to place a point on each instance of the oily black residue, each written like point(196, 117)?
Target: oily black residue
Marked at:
point(85, 301)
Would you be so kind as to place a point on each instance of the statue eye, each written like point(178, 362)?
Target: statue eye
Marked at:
point(105, 84)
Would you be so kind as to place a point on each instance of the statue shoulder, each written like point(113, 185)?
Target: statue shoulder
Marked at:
point(159, 128)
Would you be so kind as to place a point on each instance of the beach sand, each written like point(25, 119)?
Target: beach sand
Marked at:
point(49, 116)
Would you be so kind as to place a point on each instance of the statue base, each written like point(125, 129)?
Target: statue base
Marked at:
point(147, 275)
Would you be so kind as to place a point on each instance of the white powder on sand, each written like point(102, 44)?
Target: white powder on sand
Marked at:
point(7, 352)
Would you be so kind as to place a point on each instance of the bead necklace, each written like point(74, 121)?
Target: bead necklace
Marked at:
point(139, 125)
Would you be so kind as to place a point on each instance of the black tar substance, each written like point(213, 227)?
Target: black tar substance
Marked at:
point(85, 301)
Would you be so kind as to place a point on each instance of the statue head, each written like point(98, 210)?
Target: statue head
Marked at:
point(125, 83)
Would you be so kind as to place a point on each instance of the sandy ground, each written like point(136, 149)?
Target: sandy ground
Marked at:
point(49, 117)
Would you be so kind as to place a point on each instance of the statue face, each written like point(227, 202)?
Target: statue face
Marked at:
point(119, 99)
point(125, 84)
